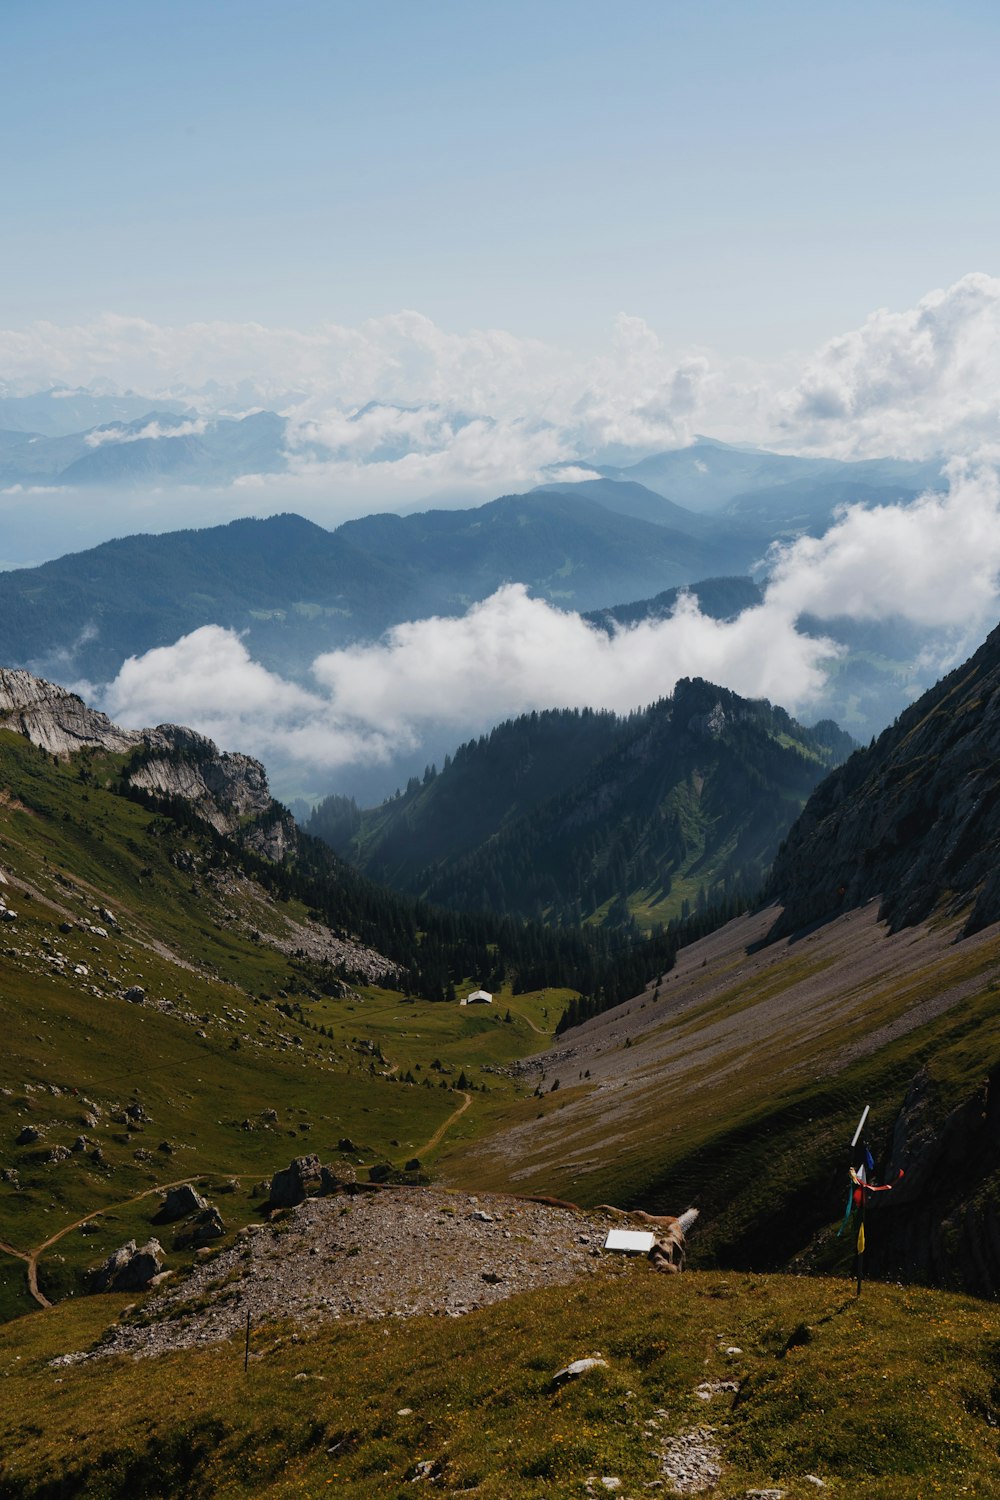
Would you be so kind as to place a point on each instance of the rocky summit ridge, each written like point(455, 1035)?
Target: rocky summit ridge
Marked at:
point(226, 789)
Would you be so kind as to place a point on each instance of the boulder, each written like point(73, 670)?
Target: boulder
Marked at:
point(129, 1268)
point(136, 994)
point(291, 1186)
point(329, 1182)
point(28, 1136)
point(178, 1202)
point(209, 1226)
point(578, 1367)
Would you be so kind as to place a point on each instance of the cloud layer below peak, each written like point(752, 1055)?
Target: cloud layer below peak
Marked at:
point(935, 563)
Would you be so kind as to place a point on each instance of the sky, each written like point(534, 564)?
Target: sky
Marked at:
point(456, 245)
point(750, 178)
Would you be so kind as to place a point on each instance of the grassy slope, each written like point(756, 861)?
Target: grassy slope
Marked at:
point(739, 1083)
point(890, 1397)
point(223, 1058)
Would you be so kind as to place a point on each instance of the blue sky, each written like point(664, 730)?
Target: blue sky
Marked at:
point(750, 177)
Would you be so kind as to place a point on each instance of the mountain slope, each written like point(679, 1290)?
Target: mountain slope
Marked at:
point(570, 548)
point(914, 819)
point(192, 988)
point(739, 1076)
point(569, 816)
point(297, 589)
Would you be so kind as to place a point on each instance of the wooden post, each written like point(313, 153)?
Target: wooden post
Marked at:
point(246, 1351)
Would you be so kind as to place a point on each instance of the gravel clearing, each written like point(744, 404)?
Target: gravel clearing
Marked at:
point(402, 1252)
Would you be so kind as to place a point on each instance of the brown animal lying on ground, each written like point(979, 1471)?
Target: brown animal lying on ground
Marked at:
point(668, 1252)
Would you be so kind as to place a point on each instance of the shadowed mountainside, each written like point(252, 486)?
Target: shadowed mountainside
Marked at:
point(914, 819)
point(570, 816)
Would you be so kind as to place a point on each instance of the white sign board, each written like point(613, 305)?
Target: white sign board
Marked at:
point(635, 1241)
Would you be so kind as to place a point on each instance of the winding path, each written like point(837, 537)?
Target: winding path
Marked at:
point(31, 1257)
point(439, 1134)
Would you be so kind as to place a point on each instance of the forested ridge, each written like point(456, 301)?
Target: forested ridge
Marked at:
point(574, 816)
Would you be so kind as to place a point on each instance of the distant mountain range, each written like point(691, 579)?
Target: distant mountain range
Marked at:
point(79, 438)
point(757, 487)
point(298, 589)
point(569, 816)
point(156, 446)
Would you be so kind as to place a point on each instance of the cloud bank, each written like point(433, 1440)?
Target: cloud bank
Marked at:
point(935, 563)
point(400, 408)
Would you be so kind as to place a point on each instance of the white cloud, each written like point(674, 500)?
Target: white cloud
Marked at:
point(101, 435)
point(934, 562)
point(208, 681)
point(429, 409)
point(506, 656)
point(911, 383)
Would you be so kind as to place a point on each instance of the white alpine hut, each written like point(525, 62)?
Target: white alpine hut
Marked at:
point(478, 997)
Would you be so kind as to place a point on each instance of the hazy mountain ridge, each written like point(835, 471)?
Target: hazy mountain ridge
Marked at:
point(159, 444)
point(298, 589)
point(711, 477)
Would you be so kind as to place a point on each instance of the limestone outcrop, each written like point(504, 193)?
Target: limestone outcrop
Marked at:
point(227, 789)
point(291, 1185)
point(56, 720)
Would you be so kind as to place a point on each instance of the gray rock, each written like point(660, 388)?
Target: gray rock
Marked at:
point(291, 1186)
point(135, 994)
point(129, 1268)
point(577, 1368)
point(178, 1203)
point(28, 1136)
point(208, 1227)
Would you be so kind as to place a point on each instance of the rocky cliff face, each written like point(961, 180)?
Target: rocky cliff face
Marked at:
point(914, 819)
point(58, 721)
point(228, 790)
